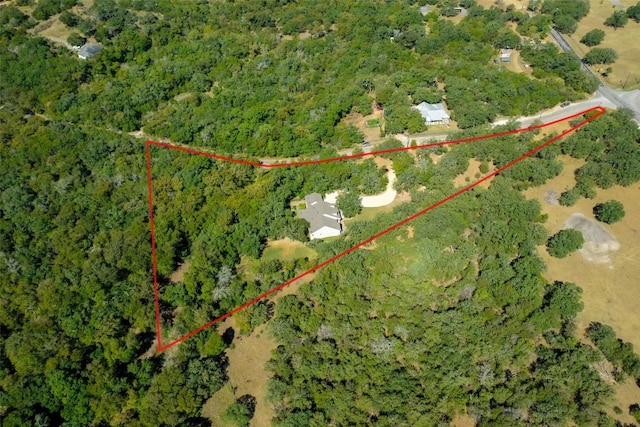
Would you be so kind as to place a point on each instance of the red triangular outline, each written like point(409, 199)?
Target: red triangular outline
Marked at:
point(598, 111)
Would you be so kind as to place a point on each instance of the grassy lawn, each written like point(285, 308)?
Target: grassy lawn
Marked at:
point(287, 249)
point(369, 214)
point(218, 404)
point(626, 70)
point(373, 123)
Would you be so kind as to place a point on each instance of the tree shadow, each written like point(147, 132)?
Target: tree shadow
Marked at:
point(248, 402)
point(228, 336)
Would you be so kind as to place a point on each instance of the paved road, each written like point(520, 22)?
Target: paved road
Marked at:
point(616, 98)
point(558, 113)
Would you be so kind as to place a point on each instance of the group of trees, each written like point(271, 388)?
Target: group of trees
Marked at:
point(377, 340)
point(377, 330)
point(565, 14)
point(619, 18)
point(618, 352)
point(593, 37)
point(610, 147)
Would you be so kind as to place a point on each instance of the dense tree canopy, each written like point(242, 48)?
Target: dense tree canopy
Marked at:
point(448, 317)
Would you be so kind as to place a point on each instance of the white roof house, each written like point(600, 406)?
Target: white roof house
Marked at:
point(505, 55)
point(324, 218)
point(434, 114)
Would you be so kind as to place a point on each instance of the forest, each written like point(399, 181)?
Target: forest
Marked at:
point(456, 319)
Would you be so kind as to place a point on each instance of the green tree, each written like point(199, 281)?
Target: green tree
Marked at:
point(76, 39)
point(69, 19)
point(565, 299)
point(609, 212)
point(569, 197)
point(617, 20)
point(564, 242)
point(349, 203)
point(593, 37)
point(240, 412)
point(601, 55)
point(214, 345)
point(633, 12)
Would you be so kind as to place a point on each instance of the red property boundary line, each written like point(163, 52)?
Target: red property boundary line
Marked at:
point(597, 112)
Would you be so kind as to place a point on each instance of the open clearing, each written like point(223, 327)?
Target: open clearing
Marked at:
point(610, 290)
point(287, 250)
point(247, 375)
point(360, 122)
point(626, 70)
point(472, 174)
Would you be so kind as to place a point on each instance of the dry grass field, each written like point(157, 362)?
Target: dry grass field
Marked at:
point(247, 375)
point(625, 41)
point(610, 290)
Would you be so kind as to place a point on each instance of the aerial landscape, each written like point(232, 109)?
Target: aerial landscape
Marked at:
point(303, 213)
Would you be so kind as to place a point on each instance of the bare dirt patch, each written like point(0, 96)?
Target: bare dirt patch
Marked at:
point(610, 290)
point(599, 244)
point(178, 275)
point(360, 122)
point(463, 421)
point(626, 70)
point(516, 65)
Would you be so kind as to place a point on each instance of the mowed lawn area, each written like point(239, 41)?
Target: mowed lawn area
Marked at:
point(287, 250)
point(626, 70)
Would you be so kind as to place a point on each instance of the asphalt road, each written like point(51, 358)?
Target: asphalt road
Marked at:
point(617, 99)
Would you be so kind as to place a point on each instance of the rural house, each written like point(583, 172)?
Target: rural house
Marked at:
point(505, 55)
point(434, 114)
point(324, 218)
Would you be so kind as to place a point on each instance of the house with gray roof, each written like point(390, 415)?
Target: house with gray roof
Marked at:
point(89, 50)
point(433, 114)
point(324, 218)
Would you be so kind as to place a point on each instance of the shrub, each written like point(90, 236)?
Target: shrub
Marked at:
point(593, 37)
point(564, 242)
point(609, 212)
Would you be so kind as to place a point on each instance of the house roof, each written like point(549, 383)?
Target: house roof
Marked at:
point(320, 213)
point(88, 50)
point(432, 112)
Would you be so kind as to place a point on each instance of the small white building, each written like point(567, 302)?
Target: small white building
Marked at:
point(505, 55)
point(324, 218)
point(434, 114)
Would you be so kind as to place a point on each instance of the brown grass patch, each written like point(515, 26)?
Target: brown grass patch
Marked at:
point(360, 122)
point(247, 375)
point(288, 249)
point(516, 65)
point(518, 4)
point(626, 70)
point(472, 174)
